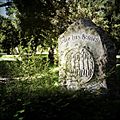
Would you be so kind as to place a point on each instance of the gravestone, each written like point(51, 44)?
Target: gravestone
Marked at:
point(86, 56)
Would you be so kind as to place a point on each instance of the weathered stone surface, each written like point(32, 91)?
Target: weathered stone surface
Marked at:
point(86, 56)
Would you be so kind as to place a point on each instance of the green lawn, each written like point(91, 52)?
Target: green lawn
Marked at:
point(37, 96)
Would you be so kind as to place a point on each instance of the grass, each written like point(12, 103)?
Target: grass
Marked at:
point(46, 104)
point(36, 96)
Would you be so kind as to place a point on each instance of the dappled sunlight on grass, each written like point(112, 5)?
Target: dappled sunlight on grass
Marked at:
point(36, 94)
point(52, 103)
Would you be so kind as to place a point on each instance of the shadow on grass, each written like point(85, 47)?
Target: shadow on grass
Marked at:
point(45, 104)
point(18, 101)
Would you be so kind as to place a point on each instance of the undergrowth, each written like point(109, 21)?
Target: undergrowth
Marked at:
point(35, 95)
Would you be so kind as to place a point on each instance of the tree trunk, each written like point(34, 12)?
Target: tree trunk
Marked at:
point(51, 55)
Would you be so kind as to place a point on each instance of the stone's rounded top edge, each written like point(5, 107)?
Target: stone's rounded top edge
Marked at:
point(61, 36)
point(80, 24)
point(86, 22)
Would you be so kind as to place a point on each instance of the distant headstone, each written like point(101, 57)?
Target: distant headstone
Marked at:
point(86, 56)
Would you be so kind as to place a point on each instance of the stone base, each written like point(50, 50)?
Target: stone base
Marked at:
point(90, 86)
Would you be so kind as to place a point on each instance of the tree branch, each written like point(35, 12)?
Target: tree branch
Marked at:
point(6, 4)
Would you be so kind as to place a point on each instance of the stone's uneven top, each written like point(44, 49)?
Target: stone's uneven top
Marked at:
point(82, 25)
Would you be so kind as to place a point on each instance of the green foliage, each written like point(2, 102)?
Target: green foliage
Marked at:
point(40, 22)
point(56, 15)
point(29, 65)
point(9, 35)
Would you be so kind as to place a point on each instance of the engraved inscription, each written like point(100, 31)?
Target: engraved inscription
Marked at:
point(82, 37)
point(79, 65)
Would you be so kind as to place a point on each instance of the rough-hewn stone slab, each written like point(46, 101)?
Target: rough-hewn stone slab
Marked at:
point(86, 56)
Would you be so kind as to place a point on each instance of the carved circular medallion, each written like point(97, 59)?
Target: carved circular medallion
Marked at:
point(79, 65)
